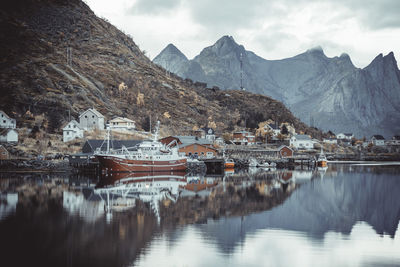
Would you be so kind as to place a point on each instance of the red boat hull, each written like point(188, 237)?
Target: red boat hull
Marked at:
point(115, 164)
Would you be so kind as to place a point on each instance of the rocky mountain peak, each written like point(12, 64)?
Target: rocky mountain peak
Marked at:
point(226, 45)
point(172, 49)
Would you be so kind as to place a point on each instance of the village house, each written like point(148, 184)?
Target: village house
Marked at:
point(91, 119)
point(198, 151)
point(395, 141)
point(272, 127)
point(219, 141)
point(4, 153)
point(123, 124)
point(378, 140)
point(184, 140)
point(330, 141)
point(71, 131)
point(301, 141)
point(285, 152)
point(243, 138)
point(205, 132)
point(6, 121)
point(8, 135)
point(345, 136)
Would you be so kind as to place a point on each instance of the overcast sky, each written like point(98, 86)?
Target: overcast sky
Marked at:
point(273, 29)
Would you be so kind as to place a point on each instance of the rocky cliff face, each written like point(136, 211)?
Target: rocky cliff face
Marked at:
point(330, 93)
point(57, 56)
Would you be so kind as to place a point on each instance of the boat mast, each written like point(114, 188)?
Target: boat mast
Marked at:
point(156, 131)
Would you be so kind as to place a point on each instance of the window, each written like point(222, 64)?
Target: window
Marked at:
point(93, 116)
point(67, 133)
point(85, 116)
point(4, 121)
point(202, 153)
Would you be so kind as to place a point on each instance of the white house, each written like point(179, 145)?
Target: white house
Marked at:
point(271, 127)
point(8, 135)
point(91, 119)
point(345, 136)
point(301, 141)
point(395, 141)
point(378, 140)
point(72, 130)
point(120, 123)
point(6, 121)
point(208, 133)
point(330, 141)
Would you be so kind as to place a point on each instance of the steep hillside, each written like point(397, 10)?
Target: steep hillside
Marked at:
point(331, 93)
point(58, 57)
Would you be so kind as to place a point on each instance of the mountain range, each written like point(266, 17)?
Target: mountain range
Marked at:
point(329, 93)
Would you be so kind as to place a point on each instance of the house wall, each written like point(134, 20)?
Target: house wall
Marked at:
point(6, 122)
point(89, 120)
point(11, 136)
point(199, 149)
point(378, 142)
point(303, 144)
point(286, 152)
point(69, 135)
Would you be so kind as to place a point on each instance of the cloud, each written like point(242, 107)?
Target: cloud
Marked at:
point(153, 7)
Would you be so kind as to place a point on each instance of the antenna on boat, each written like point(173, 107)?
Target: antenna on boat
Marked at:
point(156, 131)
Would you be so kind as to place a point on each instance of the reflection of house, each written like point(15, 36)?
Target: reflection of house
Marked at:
point(4, 153)
point(301, 141)
point(91, 119)
point(71, 131)
point(8, 135)
point(120, 123)
point(378, 140)
point(345, 136)
point(243, 138)
point(90, 146)
point(6, 122)
point(198, 150)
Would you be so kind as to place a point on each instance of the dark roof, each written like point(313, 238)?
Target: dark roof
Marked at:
point(206, 130)
point(378, 137)
point(396, 137)
point(348, 134)
point(91, 145)
point(188, 139)
point(273, 126)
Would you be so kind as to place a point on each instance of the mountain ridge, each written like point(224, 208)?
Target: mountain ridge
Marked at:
point(364, 101)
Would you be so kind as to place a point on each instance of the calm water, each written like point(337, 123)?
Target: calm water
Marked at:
point(347, 215)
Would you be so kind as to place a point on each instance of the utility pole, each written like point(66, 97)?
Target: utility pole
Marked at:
point(69, 56)
point(241, 71)
point(69, 115)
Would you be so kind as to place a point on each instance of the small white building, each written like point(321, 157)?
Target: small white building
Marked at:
point(6, 121)
point(8, 135)
point(120, 123)
point(395, 141)
point(330, 141)
point(71, 131)
point(208, 133)
point(271, 127)
point(378, 140)
point(91, 119)
point(301, 141)
point(345, 136)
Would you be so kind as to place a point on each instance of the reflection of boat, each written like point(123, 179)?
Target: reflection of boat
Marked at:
point(321, 159)
point(229, 164)
point(147, 156)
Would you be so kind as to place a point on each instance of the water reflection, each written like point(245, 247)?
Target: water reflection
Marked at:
point(165, 218)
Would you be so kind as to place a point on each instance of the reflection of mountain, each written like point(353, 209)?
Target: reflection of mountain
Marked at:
point(322, 206)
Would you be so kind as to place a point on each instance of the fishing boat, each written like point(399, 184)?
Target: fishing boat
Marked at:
point(321, 159)
point(147, 156)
